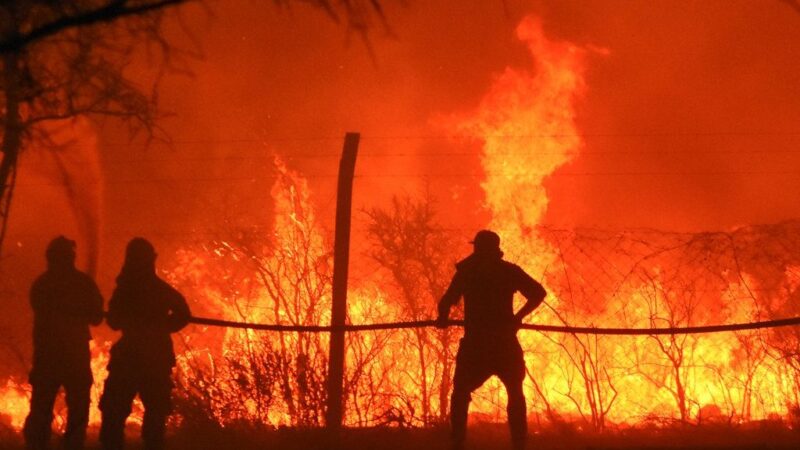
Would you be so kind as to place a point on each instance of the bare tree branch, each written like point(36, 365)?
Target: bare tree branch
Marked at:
point(104, 13)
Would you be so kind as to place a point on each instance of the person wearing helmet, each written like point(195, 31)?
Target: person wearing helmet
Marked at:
point(147, 310)
point(65, 302)
point(489, 346)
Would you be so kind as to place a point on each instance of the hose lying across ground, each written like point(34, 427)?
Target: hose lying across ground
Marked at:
point(794, 321)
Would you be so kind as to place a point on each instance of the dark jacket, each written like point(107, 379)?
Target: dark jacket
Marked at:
point(146, 309)
point(488, 284)
point(65, 302)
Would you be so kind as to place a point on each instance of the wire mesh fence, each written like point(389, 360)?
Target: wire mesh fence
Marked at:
point(664, 288)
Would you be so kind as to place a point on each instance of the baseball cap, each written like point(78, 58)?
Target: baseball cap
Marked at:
point(486, 240)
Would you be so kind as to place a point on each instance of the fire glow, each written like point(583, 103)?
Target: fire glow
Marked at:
point(527, 125)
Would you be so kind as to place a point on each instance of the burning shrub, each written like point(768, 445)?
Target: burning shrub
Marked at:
point(626, 279)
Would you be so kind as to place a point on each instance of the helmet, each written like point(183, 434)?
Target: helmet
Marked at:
point(140, 249)
point(60, 249)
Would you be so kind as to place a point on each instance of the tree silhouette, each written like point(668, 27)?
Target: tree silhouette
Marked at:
point(408, 242)
point(65, 59)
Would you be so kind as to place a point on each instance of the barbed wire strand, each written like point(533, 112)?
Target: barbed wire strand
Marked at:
point(794, 321)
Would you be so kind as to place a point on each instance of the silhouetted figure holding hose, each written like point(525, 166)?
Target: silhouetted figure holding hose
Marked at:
point(489, 346)
point(65, 302)
point(146, 309)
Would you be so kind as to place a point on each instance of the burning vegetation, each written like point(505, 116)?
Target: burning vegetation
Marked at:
point(627, 279)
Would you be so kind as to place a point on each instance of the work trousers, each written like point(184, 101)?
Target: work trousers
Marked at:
point(38, 424)
point(476, 361)
point(120, 389)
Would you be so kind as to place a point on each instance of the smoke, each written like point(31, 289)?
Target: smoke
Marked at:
point(59, 191)
point(77, 171)
point(689, 122)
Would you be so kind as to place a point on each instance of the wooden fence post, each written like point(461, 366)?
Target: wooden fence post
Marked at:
point(341, 257)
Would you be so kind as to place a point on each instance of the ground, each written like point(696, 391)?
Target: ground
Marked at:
point(482, 437)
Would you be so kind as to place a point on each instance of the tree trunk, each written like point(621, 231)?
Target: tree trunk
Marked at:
point(423, 384)
point(12, 139)
point(680, 396)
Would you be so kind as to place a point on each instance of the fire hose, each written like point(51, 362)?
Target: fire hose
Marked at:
point(794, 321)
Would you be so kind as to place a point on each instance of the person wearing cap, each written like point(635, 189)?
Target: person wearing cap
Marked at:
point(147, 310)
point(489, 346)
point(65, 302)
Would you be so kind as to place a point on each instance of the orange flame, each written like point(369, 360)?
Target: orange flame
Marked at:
point(15, 397)
point(527, 122)
point(14, 404)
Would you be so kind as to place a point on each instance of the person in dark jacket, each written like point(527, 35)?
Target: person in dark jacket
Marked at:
point(489, 346)
point(147, 310)
point(65, 302)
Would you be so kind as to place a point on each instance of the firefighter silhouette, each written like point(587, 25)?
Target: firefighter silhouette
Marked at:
point(147, 310)
point(65, 302)
point(489, 346)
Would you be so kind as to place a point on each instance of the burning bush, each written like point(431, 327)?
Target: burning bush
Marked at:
point(620, 279)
